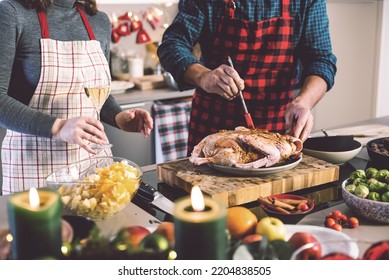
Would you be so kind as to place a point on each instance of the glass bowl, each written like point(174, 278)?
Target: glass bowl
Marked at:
point(97, 187)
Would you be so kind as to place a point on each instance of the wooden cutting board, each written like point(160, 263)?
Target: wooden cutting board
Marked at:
point(235, 190)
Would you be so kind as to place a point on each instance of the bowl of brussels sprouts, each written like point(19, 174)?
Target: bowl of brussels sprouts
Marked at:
point(366, 193)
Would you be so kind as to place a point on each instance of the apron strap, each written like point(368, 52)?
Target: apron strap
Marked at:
point(285, 8)
point(86, 23)
point(230, 7)
point(45, 27)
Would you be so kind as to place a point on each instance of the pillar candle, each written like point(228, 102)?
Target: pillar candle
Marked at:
point(200, 234)
point(34, 219)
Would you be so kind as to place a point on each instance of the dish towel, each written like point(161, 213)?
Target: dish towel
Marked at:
point(171, 120)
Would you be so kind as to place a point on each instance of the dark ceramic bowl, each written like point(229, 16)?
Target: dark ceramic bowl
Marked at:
point(378, 159)
point(331, 143)
point(334, 149)
point(292, 218)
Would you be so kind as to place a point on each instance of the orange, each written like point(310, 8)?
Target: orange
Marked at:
point(240, 221)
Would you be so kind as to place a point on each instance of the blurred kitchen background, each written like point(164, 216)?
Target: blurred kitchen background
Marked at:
point(360, 36)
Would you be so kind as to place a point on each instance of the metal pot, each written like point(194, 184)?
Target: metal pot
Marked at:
point(170, 80)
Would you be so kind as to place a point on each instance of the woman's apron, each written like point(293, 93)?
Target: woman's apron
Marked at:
point(28, 159)
point(262, 53)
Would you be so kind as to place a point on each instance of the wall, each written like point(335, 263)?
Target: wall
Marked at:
point(355, 32)
point(382, 107)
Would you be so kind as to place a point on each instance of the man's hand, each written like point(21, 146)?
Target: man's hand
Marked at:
point(224, 80)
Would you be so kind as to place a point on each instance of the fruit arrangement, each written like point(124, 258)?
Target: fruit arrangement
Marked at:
point(133, 242)
point(371, 184)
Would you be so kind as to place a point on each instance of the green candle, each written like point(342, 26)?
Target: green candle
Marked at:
point(35, 224)
point(200, 232)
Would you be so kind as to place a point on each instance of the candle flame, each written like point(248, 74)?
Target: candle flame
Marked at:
point(34, 198)
point(197, 199)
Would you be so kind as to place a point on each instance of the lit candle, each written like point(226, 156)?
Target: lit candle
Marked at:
point(200, 227)
point(34, 219)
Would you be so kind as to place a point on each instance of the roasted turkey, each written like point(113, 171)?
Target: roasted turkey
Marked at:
point(246, 148)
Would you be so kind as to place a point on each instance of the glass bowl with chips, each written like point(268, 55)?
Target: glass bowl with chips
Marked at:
point(97, 187)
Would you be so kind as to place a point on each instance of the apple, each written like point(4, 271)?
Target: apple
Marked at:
point(299, 239)
point(133, 235)
point(272, 227)
point(251, 238)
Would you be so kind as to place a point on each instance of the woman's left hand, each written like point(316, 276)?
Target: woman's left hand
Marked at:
point(135, 120)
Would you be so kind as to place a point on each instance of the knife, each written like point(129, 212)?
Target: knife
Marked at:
point(153, 196)
point(247, 116)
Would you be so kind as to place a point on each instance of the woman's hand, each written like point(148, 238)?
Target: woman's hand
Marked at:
point(81, 131)
point(135, 120)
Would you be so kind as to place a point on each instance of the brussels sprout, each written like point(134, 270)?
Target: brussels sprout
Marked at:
point(359, 173)
point(359, 181)
point(385, 197)
point(381, 175)
point(374, 196)
point(370, 172)
point(350, 188)
point(361, 191)
point(376, 186)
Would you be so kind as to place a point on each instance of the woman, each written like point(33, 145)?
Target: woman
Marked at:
point(267, 41)
point(52, 48)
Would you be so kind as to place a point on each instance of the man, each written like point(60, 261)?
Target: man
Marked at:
point(268, 41)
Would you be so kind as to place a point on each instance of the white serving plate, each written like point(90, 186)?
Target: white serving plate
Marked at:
point(256, 171)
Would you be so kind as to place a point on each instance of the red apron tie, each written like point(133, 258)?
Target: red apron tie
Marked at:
point(45, 27)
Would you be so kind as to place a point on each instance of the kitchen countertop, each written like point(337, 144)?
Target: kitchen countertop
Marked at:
point(136, 96)
point(141, 213)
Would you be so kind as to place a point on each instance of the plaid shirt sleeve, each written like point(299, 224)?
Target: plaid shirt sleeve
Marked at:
point(197, 21)
point(314, 46)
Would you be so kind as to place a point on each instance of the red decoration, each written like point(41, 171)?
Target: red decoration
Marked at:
point(142, 37)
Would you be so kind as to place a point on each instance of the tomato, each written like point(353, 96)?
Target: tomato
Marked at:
point(336, 214)
point(337, 227)
point(329, 222)
point(302, 206)
point(343, 219)
point(353, 222)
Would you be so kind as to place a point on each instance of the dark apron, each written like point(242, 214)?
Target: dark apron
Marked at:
point(263, 56)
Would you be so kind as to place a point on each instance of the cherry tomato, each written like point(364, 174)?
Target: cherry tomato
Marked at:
point(353, 222)
point(302, 206)
point(343, 218)
point(329, 222)
point(336, 214)
point(337, 227)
